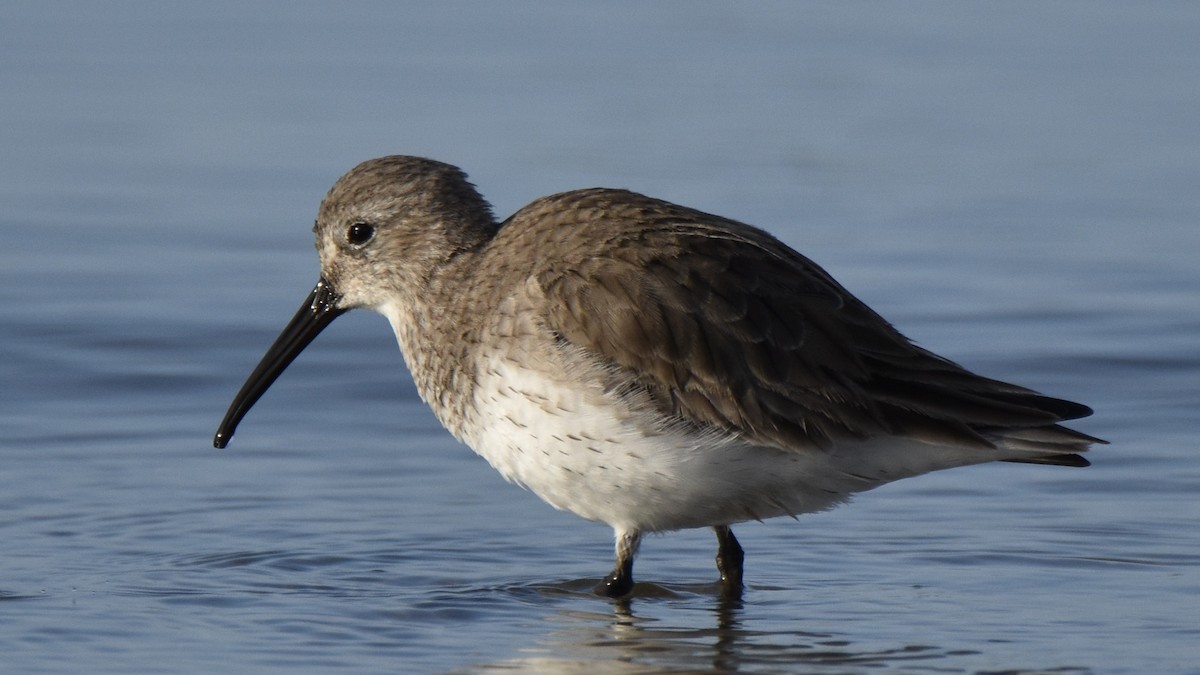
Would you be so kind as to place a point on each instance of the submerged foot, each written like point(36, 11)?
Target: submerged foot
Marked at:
point(730, 557)
point(619, 582)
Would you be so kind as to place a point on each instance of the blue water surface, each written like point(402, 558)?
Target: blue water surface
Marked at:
point(1014, 185)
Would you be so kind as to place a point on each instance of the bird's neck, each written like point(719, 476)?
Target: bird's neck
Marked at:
point(437, 334)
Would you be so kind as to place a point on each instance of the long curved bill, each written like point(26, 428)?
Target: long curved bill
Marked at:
point(318, 311)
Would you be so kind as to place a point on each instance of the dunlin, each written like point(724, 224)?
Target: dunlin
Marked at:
point(647, 365)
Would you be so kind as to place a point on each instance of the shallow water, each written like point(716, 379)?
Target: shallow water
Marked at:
point(1013, 186)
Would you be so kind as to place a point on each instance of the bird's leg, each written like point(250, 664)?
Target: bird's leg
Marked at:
point(620, 581)
point(729, 559)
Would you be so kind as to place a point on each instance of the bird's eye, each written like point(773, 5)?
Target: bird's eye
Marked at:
point(360, 233)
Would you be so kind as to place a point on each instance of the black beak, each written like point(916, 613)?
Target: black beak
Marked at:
point(318, 311)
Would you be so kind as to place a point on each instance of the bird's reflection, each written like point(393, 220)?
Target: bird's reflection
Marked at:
point(644, 632)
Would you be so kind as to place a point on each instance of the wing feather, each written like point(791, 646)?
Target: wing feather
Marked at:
point(723, 326)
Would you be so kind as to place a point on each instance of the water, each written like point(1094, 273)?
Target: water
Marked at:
point(1013, 185)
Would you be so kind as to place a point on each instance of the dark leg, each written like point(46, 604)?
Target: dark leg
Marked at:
point(729, 558)
point(619, 583)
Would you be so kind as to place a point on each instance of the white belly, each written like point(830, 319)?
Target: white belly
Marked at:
point(583, 452)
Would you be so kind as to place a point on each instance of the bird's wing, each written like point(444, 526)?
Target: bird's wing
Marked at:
point(725, 327)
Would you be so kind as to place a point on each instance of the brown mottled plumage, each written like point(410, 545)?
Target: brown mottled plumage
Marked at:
point(648, 365)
